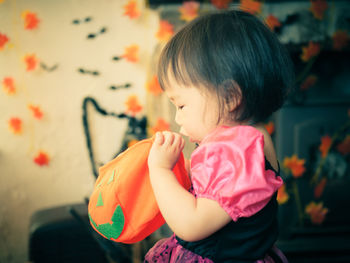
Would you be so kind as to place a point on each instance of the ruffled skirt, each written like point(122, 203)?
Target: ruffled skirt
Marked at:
point(168, 250)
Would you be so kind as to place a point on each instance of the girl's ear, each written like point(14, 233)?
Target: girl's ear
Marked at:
point(234, 95)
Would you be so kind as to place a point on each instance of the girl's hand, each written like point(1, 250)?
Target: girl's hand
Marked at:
point(165, 150)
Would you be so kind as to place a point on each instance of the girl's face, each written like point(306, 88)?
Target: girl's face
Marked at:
point(196, 112)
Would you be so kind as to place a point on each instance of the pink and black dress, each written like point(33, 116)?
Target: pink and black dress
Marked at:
point(230, 167)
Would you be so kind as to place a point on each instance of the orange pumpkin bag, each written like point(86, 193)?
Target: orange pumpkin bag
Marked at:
point(122, 206)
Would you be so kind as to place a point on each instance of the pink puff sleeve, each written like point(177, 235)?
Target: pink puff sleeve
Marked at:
point(229, 167)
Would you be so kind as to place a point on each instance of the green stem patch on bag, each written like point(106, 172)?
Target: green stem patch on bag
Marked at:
point(111, 230)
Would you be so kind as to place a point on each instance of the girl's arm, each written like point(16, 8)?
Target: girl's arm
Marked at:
point(190, 218)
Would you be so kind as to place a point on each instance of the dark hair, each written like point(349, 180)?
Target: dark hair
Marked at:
point(229, 50)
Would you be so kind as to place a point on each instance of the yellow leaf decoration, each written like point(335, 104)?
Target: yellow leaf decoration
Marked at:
point(282, 195)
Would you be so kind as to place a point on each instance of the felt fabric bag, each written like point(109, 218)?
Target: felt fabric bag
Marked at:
point(122, 206)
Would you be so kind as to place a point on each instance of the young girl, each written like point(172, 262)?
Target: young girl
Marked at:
point(225, 73)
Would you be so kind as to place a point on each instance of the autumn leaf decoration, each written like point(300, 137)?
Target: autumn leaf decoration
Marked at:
point(131, 9)
point(317, 212)
point(131, 53)
point(221, 4)
point(326, 143)
point(133, 105)
point(165, 31)
point(161, 125)
point(36, 111)
point(344, 146)
point(340, 39)
point(153, 87)
point(3, 40)
point(272, 22)
point(319, 189)
point(15, 125)
point(310, 51)
point(318, 8)
point(251, 6)
point(41, 158)
point(31, 62)
point(270, 127)
point(308, 82)
point(282, 195)
point(189, 10)
point(31, 20)
point(294, 165)
point(8, 85)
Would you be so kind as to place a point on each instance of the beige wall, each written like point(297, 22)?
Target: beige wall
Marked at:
point(24, 186)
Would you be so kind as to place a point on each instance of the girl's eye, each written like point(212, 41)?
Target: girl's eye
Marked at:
point(180, 107)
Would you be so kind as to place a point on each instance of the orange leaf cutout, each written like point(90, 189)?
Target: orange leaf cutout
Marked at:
point(308, 82)
point(9, 85)
point(251, 6)
point(221, 4)
point(270, 127)
point(131, 53)
point(340, 39)
point(318, 7)
point(133, 105)
point(272, 22)
point(165, 31)
point(3, 40)
point(326, 143)
point(15, 125)
point(282, 195)
point(31, 62)
point(316, 212)
point(153, 86)
point(318, 191)
point(132, 142)
point(36, 111)
point(310, 51)
point(161, 125)
point(131, 9)
point(295, 165)
point(30, 20)
point(41, 159)
point(344, 146)
point(189, 10)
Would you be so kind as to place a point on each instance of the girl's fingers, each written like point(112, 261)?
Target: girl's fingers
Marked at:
point(182, 143)
point(159, 139)
point(168, 138)
point(178, 141)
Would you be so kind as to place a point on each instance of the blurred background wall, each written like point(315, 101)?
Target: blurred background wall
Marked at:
point(57, 54)
point(78, 86)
